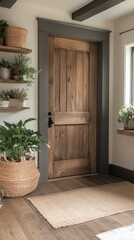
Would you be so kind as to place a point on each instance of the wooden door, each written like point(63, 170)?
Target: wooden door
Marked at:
point(72, 100)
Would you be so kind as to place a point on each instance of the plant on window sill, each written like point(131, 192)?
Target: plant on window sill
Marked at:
point(126, 116)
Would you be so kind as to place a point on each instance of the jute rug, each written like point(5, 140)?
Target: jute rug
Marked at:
point(78, 206)
point(122, 233)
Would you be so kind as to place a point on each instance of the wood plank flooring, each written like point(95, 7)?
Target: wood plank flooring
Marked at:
point(20, 221)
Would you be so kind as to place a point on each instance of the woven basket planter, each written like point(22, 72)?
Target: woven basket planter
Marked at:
point(18, 178)
point(15, 36)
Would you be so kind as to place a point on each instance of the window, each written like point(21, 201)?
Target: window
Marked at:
point(132, 75)
point(129, 74)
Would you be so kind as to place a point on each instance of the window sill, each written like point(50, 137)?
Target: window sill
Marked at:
point(126, 132)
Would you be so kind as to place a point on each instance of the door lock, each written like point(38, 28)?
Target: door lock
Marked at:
point(50, 119)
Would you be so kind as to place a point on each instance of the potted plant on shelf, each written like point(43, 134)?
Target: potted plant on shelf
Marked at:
point(19, 174)
point(5, 69)
point(3, 25)
point(4, 98)
point(17, 97)
point(126, 116)
point(23, 70)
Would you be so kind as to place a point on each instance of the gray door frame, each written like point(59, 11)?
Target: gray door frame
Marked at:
point(48, 28)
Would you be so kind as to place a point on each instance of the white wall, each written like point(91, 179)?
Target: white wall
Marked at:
point(123, 146)
point(24, 15)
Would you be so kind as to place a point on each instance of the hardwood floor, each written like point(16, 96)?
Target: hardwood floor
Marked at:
point(20, 221)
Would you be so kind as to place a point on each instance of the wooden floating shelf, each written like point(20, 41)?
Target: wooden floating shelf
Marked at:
point(12, 109)
point(126, 132)
point(13, 81)
point(4, 48)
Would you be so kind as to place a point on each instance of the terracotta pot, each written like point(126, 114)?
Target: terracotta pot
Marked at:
point(16, 77)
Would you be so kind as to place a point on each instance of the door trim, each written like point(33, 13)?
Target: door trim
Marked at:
point(48, 28)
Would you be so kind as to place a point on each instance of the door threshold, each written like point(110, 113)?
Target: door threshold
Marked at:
point(71, 177)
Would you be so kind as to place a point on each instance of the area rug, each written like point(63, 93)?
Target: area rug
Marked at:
point(122, 233)
point(82, 205)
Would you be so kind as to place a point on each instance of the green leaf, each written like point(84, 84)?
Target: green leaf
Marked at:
point(29, 120)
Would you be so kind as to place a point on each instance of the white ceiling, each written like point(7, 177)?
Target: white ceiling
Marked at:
point(71, 5)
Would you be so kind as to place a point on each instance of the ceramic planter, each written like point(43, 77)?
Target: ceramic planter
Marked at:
point(17, 103)
point(4, 103)
point(129, 125)
point(5, 73)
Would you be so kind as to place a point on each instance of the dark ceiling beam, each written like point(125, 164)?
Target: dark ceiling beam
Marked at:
point(7, 3)
point(94, 8)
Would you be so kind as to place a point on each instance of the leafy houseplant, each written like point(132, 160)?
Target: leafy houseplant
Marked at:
point(3, 25)
point(5, 64)
point(17, 97)
point(4, 95)
point(22, 68)
point(5, 69)
point(4, 98)
point(17, 142)
point(18, 94)
point(126, 116)
point(17, 146)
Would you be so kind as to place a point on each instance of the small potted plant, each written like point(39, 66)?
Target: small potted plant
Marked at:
point(23, 70)
point(5, 69)
point(17, 97)
point(18, 172)
point(3, 25)
point(126, 116)
point(4, 98)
